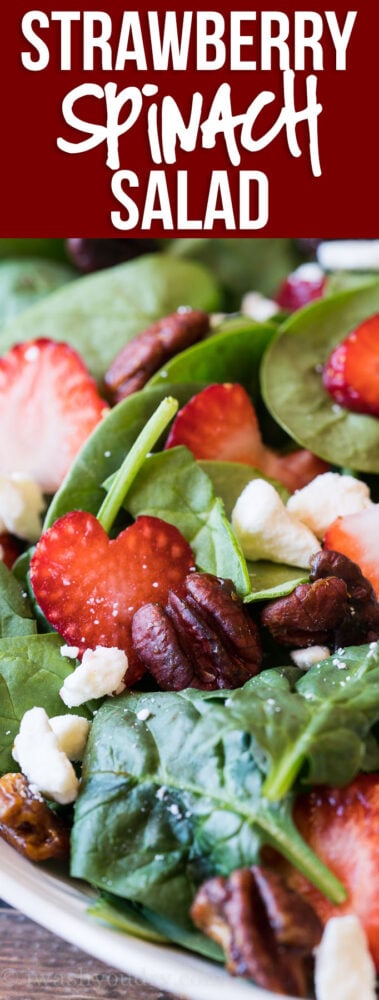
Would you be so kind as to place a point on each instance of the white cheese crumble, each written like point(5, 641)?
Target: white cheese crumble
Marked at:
point(349, 255)
point(143, 714)
point(306, 658)
point(100, 673)
point(37, 752)
point(258, 307)
point(72, 734)
point(21, 506)
point(267, 530)
point(70, 651)
point(344, 969)
point(327, 497)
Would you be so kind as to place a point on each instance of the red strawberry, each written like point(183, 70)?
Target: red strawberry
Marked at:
point(342, 827)
point(351, 374)
point(220, 423)
point(89, 587)
point(357, 536)
point(10, 549)
point(49, 404)
point(304, 285)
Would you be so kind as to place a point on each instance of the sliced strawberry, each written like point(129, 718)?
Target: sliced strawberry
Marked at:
point(351, 374)
point(10, 549)
point(342, 827)
point(49, 404)
point(220, 423)
point(357, 536)
point(89, 587)
point(300, 287)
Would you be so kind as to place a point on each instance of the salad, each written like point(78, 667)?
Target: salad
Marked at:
point(189, 614)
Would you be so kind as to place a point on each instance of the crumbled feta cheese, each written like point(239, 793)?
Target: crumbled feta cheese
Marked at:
point(70, 651)
point(306, 658)
point(258, 307)
point(37, 752)
point(327, 497)
point(100, 673)
point(344, 969)
point(267, 530)
point(143, 714)
point(72, 734)
point(309, 271)
point(350, 255)
point(21, 504)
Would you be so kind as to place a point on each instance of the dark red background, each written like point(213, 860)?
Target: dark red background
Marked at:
point(45, 192)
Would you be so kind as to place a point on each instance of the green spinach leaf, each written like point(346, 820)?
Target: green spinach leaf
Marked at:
point(241, 265)
point(104, 451)
point(100, 312)
point(171, 485)
point(173, 799)
point(232, 355)
point(318, 724)
point(32, 672)
point(292, 383)
point(15, 612)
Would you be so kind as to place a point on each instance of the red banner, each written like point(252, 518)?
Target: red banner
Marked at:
point(186, 122)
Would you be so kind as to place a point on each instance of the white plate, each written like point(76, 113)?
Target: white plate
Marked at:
point(60, 905)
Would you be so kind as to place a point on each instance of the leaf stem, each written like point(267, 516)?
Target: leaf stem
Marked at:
point(135, 458)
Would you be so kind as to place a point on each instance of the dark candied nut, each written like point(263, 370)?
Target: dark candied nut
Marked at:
point(310, 615)
point(267, 931)
point(27, 822)
point(96, 254)
point(203, 638)
point(361, 621)
point(338, 607)
point(149, 350)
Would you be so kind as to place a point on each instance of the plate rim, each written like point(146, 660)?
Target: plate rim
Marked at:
point(59, 904)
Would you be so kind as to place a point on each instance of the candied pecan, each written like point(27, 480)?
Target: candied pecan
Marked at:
point(27, 822)
point(203, 638)
point(266, 931)
point(146, 352)
point(310, 615)
point(361, 621)
point(337, 608)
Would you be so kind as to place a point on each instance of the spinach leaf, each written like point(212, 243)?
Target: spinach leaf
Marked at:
point(230, 478)
point(271, 580)
point(241, 265)
point(233, 355)
point(100, 312)
point(144, 923)
point(319, 725)
point(292, 384)
point(24, 282)
point(15, 612)
point(171, 485)
point(32, 672)
point(104, 451)
point(169, 801)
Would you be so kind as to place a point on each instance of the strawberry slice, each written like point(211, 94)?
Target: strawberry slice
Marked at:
point(49, 404)
point(351, 374)
point(342, 827)
point(89, 586)
point(357, 536)
point(220, 423)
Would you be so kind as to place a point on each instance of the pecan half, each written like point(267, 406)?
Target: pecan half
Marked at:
point(27, 822)
point(266, 931)
point(337, 608)
point(149, 350)
point(203, 638)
